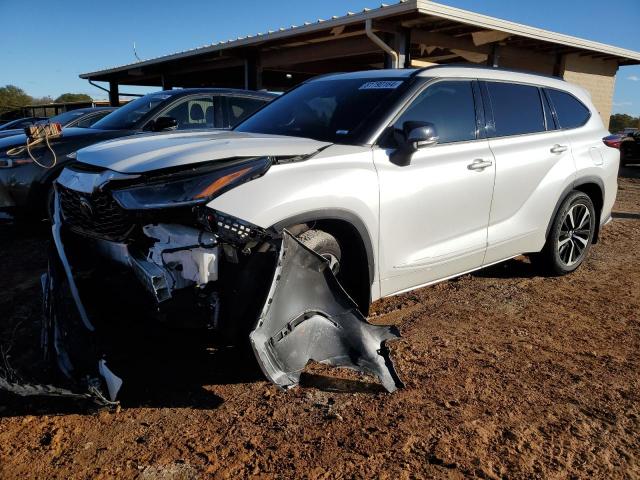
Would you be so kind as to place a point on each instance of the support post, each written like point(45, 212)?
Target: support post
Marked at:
point(401, 44)
point(494, 56)
point(389, 60)
point(114, 96)
point(252, 72)
point(166, 83)
point(558, 65)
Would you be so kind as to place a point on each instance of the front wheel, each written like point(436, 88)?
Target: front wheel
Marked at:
point(570, 236)
point(325, 245)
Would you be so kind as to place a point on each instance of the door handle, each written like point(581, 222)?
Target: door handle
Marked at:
point(479, 164)
point(557, 148)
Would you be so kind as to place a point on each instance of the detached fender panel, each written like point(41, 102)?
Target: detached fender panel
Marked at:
point(308, 316)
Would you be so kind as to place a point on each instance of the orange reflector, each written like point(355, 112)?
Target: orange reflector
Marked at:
point(221, 182)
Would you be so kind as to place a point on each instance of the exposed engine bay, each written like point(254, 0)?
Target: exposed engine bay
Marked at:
point(191, 265)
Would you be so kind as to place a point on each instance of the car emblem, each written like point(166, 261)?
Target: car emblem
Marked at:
point(85, 208)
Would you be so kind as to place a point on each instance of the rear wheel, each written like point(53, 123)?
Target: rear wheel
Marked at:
point(570, 236)
point(325, 245)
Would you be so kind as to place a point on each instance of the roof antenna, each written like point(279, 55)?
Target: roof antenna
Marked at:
point(135, 54)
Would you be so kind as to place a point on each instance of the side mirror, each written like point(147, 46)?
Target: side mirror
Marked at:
point(164, 123)
point(413, 137)
point(422, 136)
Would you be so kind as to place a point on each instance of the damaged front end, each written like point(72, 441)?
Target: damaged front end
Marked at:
point(154, 245)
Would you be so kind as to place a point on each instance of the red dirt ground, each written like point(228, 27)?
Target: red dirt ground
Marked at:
point(508, 374)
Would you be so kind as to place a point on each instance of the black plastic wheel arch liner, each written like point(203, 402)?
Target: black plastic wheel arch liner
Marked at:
point(308, 316)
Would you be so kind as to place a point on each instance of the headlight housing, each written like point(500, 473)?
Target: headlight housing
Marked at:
point(193, 188)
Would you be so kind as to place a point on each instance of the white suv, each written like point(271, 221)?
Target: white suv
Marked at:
point(398, 178)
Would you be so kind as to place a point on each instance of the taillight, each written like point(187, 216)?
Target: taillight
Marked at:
point(612, 141)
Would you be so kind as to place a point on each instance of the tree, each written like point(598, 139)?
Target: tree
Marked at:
point(620, 121)
point(41, 100)
point(73, 97)
point(13, 97)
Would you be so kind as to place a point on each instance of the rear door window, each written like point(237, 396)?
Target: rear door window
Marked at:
point(241, 107)
point(570, 111)
point(193, 112)
point(517, 109)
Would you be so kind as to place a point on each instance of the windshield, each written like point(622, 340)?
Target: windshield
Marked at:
point(326, 110)
point(128, 115)
point(66, 117)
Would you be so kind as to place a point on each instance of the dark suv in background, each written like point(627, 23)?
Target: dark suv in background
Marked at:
point(19, 123)
point(25, 187)
point(81, 117)
point(630, 148)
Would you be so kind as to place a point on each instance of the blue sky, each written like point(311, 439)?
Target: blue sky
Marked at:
point(47, 44)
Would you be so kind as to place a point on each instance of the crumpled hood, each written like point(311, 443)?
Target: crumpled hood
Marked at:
point(144, 153)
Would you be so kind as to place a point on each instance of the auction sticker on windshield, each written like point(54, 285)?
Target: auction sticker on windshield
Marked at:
point(389, 84)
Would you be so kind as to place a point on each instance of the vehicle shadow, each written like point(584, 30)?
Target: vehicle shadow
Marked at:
point(339, 385)
point(162, 368)
point(519, 267)
point(163, 373)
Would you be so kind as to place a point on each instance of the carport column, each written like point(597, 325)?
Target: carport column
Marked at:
point(494, 57)
point(402, 45)
point(252, 72)
point(166, 83)
point(114, 96)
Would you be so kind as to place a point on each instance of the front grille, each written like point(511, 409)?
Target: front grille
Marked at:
point(97, 215)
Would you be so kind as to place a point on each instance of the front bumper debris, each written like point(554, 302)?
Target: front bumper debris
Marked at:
point(299, 313)
point(308, 316)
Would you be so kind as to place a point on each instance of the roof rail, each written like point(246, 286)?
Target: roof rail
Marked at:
point(484, 67)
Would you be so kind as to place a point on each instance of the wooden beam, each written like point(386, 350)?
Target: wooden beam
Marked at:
point(324, 51)
point(488, 36)
point(215, 64)
point(428, 39)
point(446, 41)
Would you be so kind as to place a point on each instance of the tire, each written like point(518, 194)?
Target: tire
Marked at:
point(325, 245)
point(571, 234)
point(626, 154)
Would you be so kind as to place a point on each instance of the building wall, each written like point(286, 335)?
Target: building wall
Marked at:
point(520, 59)
point(597, 76)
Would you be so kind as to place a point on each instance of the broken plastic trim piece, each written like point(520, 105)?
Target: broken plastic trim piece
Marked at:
point(57, 239)
point(308, 316)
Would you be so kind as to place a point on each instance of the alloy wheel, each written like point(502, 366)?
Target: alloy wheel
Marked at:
point(575, 234)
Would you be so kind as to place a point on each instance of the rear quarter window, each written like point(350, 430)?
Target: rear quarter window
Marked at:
point(570, 111)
